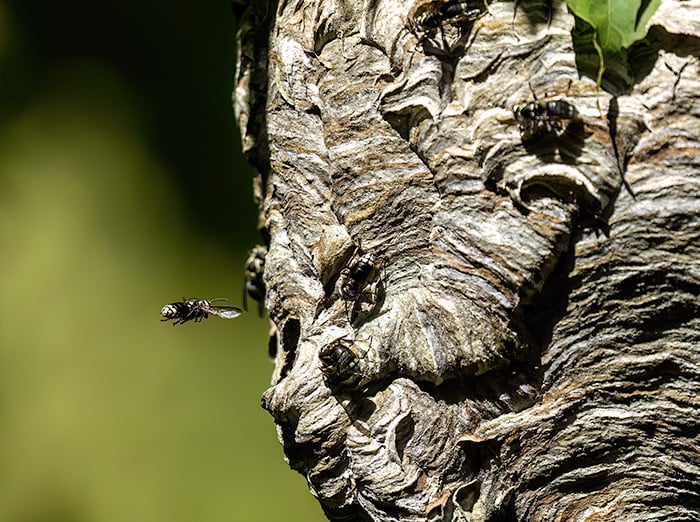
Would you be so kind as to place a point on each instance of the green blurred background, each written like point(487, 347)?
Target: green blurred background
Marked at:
point(122, 188)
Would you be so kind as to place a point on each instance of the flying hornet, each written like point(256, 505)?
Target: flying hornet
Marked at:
point(196, 310)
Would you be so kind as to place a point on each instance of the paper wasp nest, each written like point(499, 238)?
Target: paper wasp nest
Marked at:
point(424, 167)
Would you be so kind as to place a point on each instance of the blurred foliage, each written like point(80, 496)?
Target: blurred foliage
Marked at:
point(123, 188)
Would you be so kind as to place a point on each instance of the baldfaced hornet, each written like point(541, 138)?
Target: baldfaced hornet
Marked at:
point(254, 284)
point(544, 117)
point(427, 18)
point(360, 272)
point(340, 362)
point(197, 309)
point(549, 117)
point(360, 282)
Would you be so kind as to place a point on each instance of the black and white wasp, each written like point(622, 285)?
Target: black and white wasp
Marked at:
point(430, 17)
point(197, 309)
point(254, 283)
point(360, 272)
point(361, 284)
point(340, 362)
point(544, 117)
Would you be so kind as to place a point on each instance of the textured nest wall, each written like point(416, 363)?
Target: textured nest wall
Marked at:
point(472, 318)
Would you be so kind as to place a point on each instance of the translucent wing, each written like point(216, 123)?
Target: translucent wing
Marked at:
point(227, 312)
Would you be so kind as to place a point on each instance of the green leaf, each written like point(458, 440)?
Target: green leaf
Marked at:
point(617, 23)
